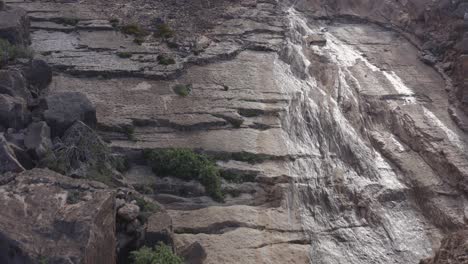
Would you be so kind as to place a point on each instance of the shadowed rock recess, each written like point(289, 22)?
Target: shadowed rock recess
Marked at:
point(245, 131)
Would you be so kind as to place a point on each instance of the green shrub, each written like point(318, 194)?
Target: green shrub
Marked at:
point(165, 61)
point(114, 22)
point(73, 197)
point(248, 157)
point(182, 90)
point(135, 30)
point(124, 55)
point(161, 254)
point(187, 165)
point(129, 132)
point(238, 177)
point(120, 163)
point(10, 52)
point(139, 40)
point(164, 31)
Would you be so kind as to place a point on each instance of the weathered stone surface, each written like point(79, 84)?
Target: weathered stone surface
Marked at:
point(159, 228)
point(14, 26)
point(64, 109)
point(54, 226)
point(13, 112)
point(129, 212)
point(37, 139)
point(13, 83)
point(454, 249)
point(8, 160)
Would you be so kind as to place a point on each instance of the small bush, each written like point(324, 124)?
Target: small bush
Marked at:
point(248, 157)
point(139, 40)
point(238, 177)
point(10, 52)
point(165, 61)
point(135, 30)
point(73, 197)
point(164, 31)
point(124, 55)
point(129, 132)
point(187, 165)
point(69, 21)
point(120, 163)
point(114, 22)
point(182, 90)
point(161, 254)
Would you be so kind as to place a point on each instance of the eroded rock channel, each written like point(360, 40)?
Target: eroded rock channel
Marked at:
point(248, 131)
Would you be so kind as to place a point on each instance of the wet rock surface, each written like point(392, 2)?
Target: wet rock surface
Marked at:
point(330, 122)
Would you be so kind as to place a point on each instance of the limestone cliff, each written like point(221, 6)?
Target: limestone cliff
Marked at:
point(338, 127)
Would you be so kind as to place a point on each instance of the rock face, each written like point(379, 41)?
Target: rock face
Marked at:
point(61, 220)
point(337, 143)
point(454, 249)
point(14, 25)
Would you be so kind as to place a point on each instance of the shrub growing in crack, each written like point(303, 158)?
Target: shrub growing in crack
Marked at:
point(69, 21)
point(165, 60)
point(161, 254)
point(187, 165)
point(124, 55)
point(164, 31)
point(10, 52)
point(182, 89)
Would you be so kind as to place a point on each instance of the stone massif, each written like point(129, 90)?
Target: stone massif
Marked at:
point(53, 218)
point(334, 138)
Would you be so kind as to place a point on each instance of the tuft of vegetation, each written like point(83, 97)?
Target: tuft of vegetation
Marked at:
point(135, 30)
point(165, 60)
point(146, 209)
point(248, 157)
point(238, 177)
point(69, 21)
point(161, 254)
point(182, 90)
point(114, 22)
point(124, 55)
point(129, 132)
point(82, 153)
point(187, 165)
point(120, 163)
point(164, 31)
point(9, 52)
point(139, 40)
point(73, 197)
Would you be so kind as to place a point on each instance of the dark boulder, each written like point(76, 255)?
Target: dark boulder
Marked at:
point(77, 220)
point(14, 26)
point(64, 109)
point(13, 112)
point(39, 75)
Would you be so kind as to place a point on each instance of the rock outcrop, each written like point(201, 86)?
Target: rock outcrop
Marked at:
point(337, 127)
point(53, 218)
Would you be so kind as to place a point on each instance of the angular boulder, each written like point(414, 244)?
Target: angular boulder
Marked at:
point(13, 112)
point(39, 75)
point(62, 220)
point(37, 139)
point(8, 160)
point(159, 229)
point(64, 109)
point(14, 26)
